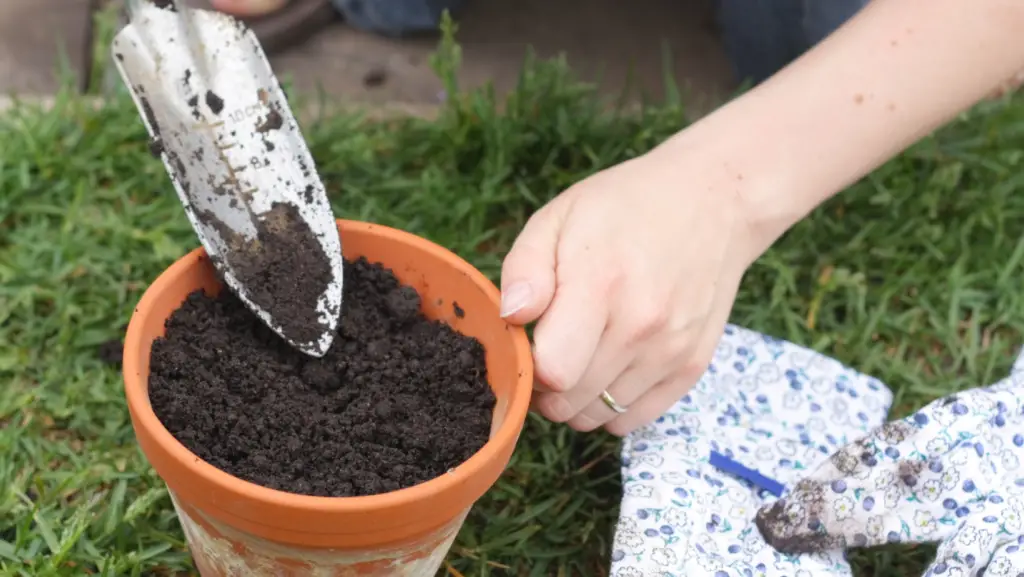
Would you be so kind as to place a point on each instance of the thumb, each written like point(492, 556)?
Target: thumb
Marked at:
point(528, 272)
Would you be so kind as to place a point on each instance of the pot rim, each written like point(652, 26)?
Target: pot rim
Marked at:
point(507, 434)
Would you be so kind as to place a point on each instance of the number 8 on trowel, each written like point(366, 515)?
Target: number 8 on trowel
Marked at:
point(219, 120)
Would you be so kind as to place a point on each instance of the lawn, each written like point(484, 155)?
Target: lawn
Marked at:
point(913, 275)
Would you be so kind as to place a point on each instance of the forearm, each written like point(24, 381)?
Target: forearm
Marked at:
point(894, 73)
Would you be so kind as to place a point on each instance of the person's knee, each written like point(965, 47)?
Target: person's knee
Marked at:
point(824, 18)
point(395, 17)
point(763, 36)
point(760, 36)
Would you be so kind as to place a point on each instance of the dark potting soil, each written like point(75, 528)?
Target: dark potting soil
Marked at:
point(284, 270)
point(397, 400)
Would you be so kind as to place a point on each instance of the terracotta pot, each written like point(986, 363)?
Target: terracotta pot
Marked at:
point(235, 527)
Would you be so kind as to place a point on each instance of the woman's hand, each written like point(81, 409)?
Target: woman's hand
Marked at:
point(632, 273)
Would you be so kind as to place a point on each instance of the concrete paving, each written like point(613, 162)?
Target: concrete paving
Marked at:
point(612, 43)
point(33, 36)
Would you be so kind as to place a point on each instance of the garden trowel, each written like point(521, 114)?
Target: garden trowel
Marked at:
point(219, 120)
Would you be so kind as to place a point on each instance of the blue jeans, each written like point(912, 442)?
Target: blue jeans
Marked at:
point(761, 36)
point(396, 17)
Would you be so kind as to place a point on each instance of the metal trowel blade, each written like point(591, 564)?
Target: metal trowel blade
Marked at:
point(222, 126)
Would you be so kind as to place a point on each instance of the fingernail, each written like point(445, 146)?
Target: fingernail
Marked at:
point(515, 298)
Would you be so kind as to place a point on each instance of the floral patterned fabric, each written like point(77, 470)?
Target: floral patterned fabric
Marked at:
point(769, 405)
point(952, 473)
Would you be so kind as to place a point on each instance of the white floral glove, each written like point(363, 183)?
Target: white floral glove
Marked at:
point(766, 405)
point(950, 473)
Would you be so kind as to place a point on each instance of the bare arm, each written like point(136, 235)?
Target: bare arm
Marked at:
point(632, 272)
point(894, 73)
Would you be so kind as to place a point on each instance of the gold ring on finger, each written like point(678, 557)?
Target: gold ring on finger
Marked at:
point(610, 402)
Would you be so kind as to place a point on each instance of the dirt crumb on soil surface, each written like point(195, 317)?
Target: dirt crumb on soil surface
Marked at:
point(398, 400)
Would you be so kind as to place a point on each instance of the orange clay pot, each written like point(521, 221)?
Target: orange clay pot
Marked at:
point(237, 528)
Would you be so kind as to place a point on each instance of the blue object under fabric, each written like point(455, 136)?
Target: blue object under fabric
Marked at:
point(734, 468)
point(761, 36)
point(765, 414)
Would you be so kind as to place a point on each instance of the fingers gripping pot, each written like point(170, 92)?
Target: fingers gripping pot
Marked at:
point(235, 527)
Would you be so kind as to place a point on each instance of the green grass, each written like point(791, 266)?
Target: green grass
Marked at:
point(913, 275)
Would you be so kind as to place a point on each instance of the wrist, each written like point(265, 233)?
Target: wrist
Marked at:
point(759, 173)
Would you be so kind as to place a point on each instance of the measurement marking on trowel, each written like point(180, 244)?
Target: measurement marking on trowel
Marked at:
point(208, 125)
point(239, 114)
point(232, 170)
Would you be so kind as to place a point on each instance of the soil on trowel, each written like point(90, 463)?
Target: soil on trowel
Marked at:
point(397, 400)
point(284, 270)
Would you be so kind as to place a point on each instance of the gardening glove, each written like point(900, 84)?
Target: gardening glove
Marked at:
point(950, 473)
point(764, 405)
point(632, 273)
